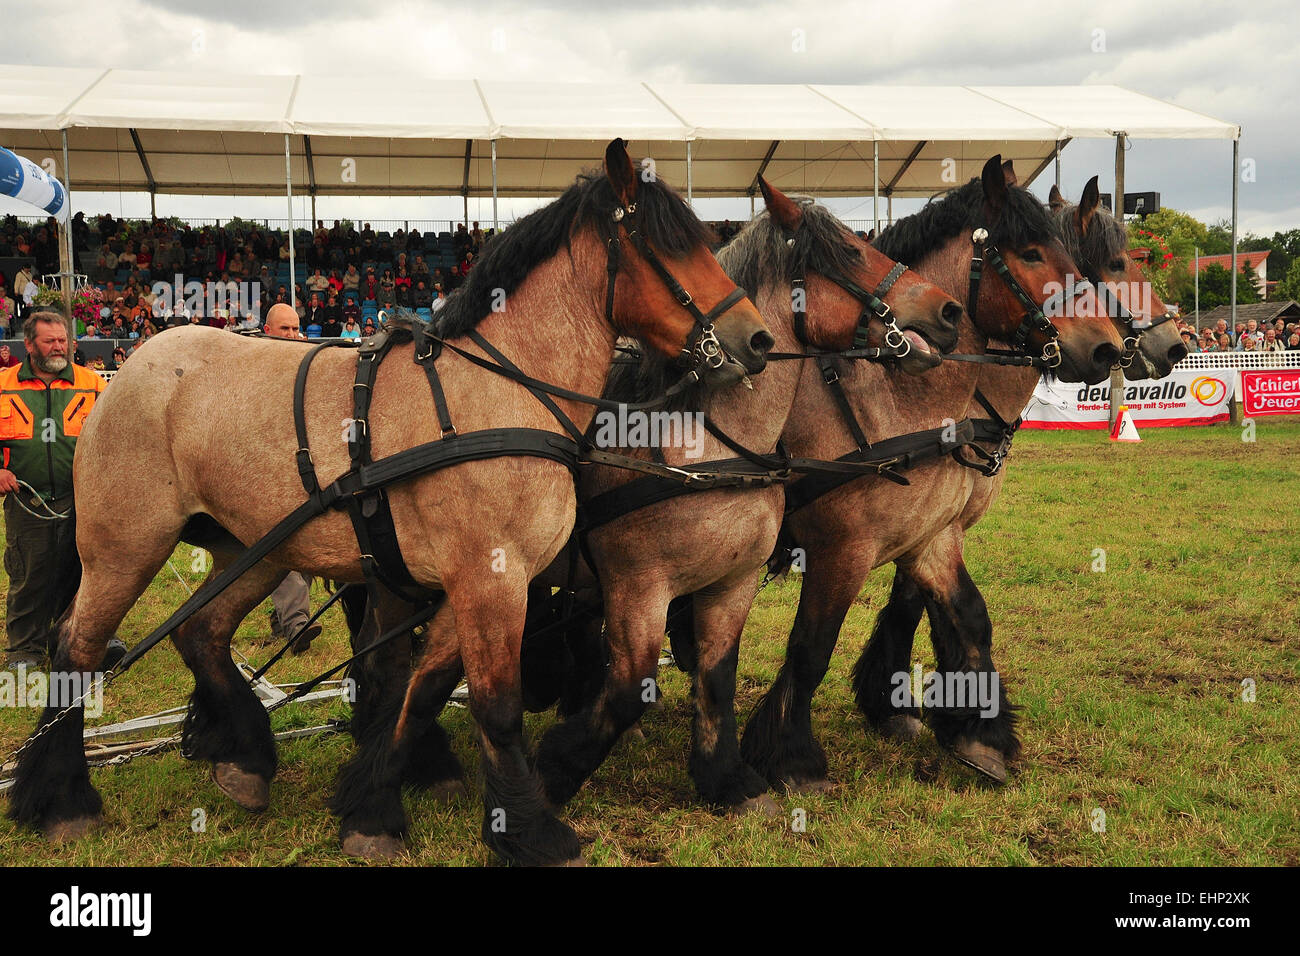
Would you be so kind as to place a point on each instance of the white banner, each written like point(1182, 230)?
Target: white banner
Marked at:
point(1185, 397)
point(25, 181)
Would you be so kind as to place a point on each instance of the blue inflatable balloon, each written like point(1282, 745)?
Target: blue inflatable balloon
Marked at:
point(25, 181)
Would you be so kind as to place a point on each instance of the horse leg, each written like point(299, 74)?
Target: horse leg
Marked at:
point(368, 791)
point(381, 678)
point(721, 777)
point(52, 789)
point(778, 740)
point(226, 724)
point(572, 749)
point(886, 655)
point(980, 733)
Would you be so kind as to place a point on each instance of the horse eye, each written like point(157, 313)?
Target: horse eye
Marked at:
point(1032, 255)
point(1117, 265)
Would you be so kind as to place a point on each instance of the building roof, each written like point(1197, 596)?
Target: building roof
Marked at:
point(1288, 309)
point(1252, 259)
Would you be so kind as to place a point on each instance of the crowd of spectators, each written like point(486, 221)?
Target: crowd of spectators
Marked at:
point(346, 276)
point(1250, 336)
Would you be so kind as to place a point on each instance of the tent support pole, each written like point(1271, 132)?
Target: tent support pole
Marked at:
point(889, 208)
point(496, 223)
point(1057, 157)
point(875, 186)
point(689, 184)
point(1117, 374)
point(288, 199)
point(1236, 175)
point(65, 246)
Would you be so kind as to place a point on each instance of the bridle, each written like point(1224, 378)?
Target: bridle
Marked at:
point(1034, 318)
point(1117, 310)
point(873, 305)
point(702, 347)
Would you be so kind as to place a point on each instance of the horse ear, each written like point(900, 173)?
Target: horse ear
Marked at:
point(618, 167)
point(995, 185)
point(786, 212)
point(1088, 204)
point(1055, 200)
point(1009, 173)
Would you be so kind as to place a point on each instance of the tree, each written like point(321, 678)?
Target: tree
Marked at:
point(1289, 287)
point(1216, 291)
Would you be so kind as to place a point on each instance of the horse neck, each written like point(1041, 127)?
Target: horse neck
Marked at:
point(755, 417)
point(553, 324)
point(887, 402)
point(1008, 389)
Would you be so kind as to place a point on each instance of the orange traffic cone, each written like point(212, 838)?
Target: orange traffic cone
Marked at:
point(1124, 429)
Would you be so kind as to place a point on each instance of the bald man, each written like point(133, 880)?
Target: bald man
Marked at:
point(291, 601)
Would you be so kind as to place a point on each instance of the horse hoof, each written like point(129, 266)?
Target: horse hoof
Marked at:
point(381, 846)
point(448, 791)
point(982, 758)
point(249, 790)
point(902, 727)
point(761, 806)
point(809, 786)
point(68, 831)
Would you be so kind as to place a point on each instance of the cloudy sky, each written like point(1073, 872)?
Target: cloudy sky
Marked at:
point(1239, 63)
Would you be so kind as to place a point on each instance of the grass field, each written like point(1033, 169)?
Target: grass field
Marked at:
point(1130, 684)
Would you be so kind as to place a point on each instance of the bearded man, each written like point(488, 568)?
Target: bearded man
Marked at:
point(44, 403)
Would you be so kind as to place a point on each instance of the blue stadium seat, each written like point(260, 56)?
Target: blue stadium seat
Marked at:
point(313, 331)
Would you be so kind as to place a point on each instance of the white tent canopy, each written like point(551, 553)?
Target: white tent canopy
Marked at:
point(225, 134)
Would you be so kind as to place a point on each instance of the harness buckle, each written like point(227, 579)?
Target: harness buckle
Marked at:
point(829, 375)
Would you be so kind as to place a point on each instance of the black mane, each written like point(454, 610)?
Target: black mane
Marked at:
point(1024, 220)
point(761, 253)
point(1105, 240)
point(662, 218)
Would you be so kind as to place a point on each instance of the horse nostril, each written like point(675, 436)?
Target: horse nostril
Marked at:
point(761, 342)
point(952, 312)
point(1105, 354)
point(1177, 353)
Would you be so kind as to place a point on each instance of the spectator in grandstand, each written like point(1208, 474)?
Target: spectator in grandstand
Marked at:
point(127, 258)
point(332, 324)
point(453, 280)
point(350, 329)
point(8, 312)
point(387, 285)
point(6, 359)
point(315, 313)
point(368, 329)
point(335, 282)
point(1189, 340)
point(351, 311)
point(119, 357)
point(420, 270)
point(317, 282)
point(105, 265)
point(422, 297)
point(351, 279)
point(370, 288)
point(1248, 344)
point(1293, 342)
point(1250, 334)
point(439, 297)
point(1271, 342)
point(476, 237)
